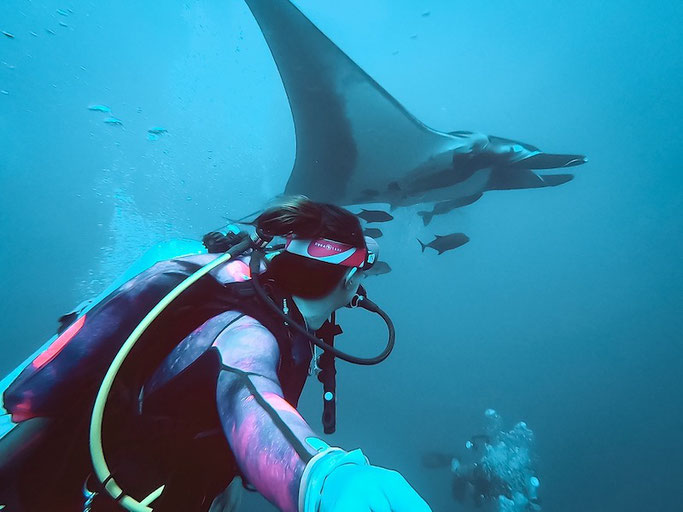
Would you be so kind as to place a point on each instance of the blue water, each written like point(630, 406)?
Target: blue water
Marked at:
point(563, 310)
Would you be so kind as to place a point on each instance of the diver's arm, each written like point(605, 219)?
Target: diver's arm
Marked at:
point(267, 435)
point(278, 452)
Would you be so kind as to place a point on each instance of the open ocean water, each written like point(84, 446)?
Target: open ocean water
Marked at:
point(565, 309)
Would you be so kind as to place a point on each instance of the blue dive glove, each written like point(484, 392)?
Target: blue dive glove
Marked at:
point(339, 481)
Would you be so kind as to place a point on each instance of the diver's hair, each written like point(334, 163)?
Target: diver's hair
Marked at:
point(300, 217)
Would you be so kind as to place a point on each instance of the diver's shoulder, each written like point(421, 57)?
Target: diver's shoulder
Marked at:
point(249, 323)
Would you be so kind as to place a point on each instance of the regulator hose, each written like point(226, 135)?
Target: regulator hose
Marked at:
point(102, 471)
point(358, 301)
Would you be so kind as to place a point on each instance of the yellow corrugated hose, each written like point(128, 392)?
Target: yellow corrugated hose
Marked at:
point(96, 450)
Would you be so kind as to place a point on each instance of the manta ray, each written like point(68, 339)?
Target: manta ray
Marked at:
point(356, 144)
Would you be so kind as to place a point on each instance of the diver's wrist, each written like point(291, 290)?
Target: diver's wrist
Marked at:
point(319, 468)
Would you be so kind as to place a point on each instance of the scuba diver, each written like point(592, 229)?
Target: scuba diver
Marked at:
point(496, 472)
point(184, 380)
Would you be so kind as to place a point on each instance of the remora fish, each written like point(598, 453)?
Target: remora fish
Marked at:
point(444, 243)
point(447, 206)
point(379, 268)
point(374, 216)
point(373, 232)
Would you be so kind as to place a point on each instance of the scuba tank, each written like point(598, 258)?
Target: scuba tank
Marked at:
point(160, 252)
point(50, 395)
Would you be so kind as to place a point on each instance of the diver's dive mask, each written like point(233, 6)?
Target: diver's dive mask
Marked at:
point(337, 253)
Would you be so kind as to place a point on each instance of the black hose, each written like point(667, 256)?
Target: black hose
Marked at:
point(361, 301)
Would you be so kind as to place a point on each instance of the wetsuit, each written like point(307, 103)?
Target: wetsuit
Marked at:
point(209, 394)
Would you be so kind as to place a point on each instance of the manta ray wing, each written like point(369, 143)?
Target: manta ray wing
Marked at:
point(356, 144)
point(353, 139)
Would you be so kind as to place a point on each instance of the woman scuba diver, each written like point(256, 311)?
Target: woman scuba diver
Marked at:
point(186, 378)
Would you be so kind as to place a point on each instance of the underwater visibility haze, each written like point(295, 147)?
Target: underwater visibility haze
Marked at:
point(553, 295)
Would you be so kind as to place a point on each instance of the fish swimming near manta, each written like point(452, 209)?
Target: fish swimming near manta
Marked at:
point(447, 206)
point(444, 243)
point(373, 232)
point(335, 105)
point(374, 216)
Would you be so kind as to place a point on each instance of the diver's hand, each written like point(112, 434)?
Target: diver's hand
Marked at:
point(335, 480)
point(366, 488)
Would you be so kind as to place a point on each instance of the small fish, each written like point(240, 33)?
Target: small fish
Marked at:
point(7, 34)
point(99, 108)
point(62, 12)
point(444, 243)
point(113, 121)
point(374, 216)
point(157, 130)
point(62, 24)
point(379, 268)
point(447, 206)
point(4, 92)
point(373, 232)
point(33, 34)
point(426, 13)
point(434, 460)
point(49, 31)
